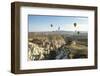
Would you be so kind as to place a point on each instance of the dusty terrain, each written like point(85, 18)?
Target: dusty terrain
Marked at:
point(57, 45)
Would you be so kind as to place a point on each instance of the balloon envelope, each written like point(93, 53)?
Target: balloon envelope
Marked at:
point(75, 24)
point(51, 25)
point(78, 32)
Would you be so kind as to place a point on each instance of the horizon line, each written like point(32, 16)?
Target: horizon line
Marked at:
point(57, 31)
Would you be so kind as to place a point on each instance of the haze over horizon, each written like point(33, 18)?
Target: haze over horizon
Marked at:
point(41, 23)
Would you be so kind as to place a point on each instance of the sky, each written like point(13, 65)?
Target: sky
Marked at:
point(41, 23)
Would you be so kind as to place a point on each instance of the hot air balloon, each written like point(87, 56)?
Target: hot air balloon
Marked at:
point(51, 25)
point(78, 32)
point(75, 24)
point(74, 36)
point(58, 28)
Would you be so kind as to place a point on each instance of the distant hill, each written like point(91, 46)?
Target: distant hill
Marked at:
point(67, 33)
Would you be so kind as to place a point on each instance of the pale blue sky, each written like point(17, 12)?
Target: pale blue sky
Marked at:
point(37, 23)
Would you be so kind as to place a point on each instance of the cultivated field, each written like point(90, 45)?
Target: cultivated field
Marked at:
point(57, 45)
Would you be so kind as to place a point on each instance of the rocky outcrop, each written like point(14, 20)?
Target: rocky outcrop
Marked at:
point(55, 47)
